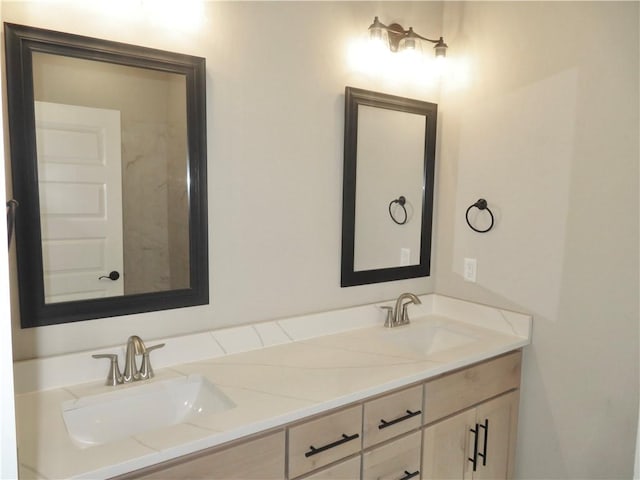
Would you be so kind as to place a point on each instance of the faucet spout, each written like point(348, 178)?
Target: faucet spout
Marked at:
point(135, 346)
point(400, 315)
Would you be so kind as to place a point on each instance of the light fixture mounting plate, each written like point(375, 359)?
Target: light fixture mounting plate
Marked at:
point(395, 33)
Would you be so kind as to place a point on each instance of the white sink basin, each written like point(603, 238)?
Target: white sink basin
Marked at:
point(425, 338)
point(129, 410)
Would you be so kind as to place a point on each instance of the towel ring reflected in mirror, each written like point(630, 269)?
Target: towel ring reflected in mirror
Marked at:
point(400, 202)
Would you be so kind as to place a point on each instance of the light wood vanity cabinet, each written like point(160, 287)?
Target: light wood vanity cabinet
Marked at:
point(471, 418)
point(433, 430)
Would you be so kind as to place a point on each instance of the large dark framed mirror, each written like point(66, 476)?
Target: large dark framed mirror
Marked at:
point(387, 209)
point(108, 159)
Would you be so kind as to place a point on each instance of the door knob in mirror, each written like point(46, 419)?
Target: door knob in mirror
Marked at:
point(112, 276)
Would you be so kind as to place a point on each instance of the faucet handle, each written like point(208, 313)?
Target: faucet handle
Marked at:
point(388, 323)
point(114, 377)
point(155, 347)
point(146, 371)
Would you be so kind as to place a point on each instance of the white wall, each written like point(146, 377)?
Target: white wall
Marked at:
point(276, 74)
point(547, 132)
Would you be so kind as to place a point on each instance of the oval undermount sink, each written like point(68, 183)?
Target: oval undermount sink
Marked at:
point(132, 409)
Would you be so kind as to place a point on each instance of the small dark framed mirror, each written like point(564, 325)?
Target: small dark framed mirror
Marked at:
point(108, 159)
point(387, 203)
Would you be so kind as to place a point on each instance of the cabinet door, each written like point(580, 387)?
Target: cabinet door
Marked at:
point(399, 459)
point(449, 446)
point(445, 454)
point(261, 458)
point(497, 420)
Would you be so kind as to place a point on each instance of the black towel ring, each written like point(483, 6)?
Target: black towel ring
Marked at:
point(481, 204)
point(400, 201)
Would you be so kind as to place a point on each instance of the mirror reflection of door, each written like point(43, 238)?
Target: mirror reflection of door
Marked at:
point(151, 185)
point(79, 165)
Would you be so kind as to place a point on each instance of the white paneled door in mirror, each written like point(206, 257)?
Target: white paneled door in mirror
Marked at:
point(79, 179)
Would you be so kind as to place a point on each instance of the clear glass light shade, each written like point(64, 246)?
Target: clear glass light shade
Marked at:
point(440, 49)
point(378, 36)
point(410, 42)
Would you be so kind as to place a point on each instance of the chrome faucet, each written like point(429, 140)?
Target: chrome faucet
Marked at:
point(135, 347)
point(399, 316)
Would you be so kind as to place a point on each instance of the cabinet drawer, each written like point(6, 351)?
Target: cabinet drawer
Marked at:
point(325, 440)
point(261, 458)
point(464, 388)
point(349, 469)
point(399, 459)
point(392, 415)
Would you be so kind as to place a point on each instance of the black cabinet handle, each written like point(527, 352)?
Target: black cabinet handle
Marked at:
point(474, 460)
point(486, 437)
point(408, 475)
point(410, 414)
point(345, 438)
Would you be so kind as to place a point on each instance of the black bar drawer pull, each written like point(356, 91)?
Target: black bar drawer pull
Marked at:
point(410, 414)
point(408, 475)
point(486, 438)
point(345, 438)
point(474, 460)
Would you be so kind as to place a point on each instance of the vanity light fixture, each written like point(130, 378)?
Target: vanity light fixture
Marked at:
point(399, 39)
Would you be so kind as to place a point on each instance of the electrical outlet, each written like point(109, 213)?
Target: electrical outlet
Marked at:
point(405, 256)
point(470, 269)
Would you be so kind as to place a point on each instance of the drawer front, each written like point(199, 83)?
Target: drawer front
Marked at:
point(392, 415)
point(261, 458)
point(327, 439)
point(465, 388)
point(349, 469)
point(399, 459)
